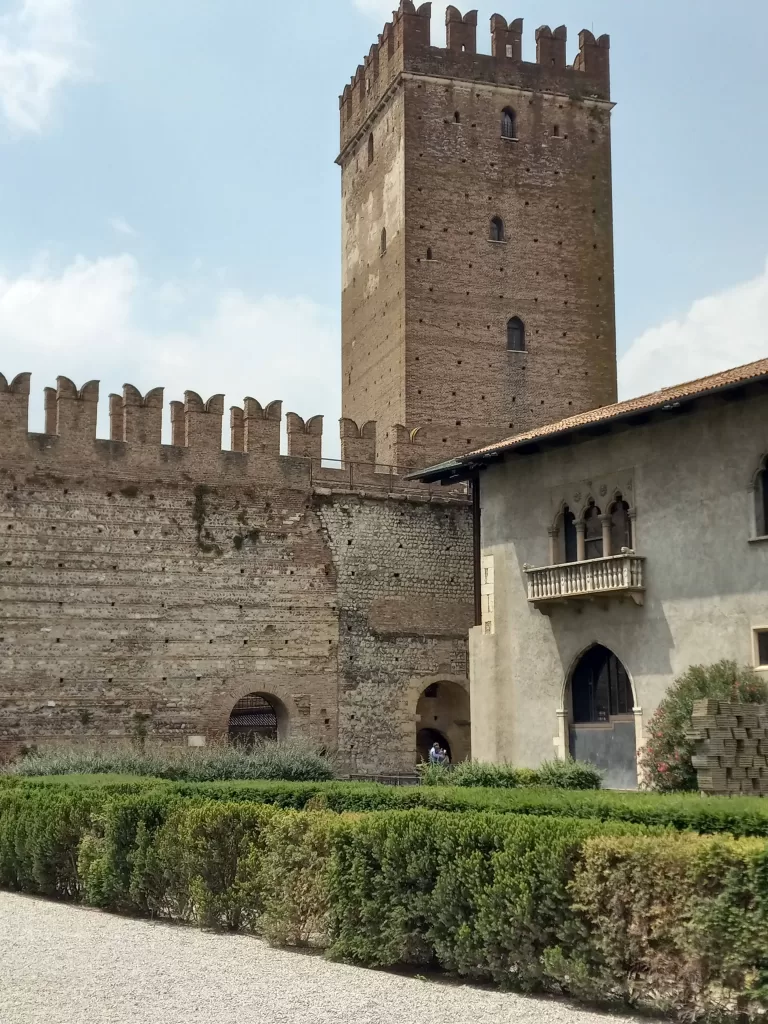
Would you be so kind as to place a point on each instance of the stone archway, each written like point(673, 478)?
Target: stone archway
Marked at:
point(600, 707)
point(257, 717)
point(442, 713)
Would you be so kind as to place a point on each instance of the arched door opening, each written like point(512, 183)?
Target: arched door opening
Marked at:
point(426, 738)
point(257, 718)
point(602, 722)
point(442, 715)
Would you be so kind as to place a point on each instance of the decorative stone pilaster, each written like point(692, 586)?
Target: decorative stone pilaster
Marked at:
point(581, 549)
point(553, 535)
point(606, 522)
point(561, 740)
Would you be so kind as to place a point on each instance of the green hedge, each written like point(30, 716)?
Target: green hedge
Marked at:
point(554, 774)
point(603, 911)
point(738, 816)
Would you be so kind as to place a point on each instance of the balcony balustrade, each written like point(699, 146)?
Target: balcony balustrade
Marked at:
point(615, 576)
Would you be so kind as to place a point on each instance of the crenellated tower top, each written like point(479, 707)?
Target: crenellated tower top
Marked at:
point(404, 46)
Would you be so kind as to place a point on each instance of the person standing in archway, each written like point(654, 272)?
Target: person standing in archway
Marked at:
point(435, 754)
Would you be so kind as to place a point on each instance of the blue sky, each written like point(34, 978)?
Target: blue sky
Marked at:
point(169, 204)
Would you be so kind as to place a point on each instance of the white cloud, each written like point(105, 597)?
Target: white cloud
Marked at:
point(89, 319)
point(382, 10)
point(122, 227)
point(40, 51)
point(717, 332)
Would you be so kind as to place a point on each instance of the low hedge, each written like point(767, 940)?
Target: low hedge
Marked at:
point(604, 911)
point(738, 816)
point(292, 761)
point(554, 774)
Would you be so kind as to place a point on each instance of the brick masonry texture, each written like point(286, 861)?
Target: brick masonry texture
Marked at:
point(731, 744)
point(424, 321)
point(168, 581)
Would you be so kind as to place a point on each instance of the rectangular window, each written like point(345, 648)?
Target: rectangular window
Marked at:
point(509, 49)
point(762, 647)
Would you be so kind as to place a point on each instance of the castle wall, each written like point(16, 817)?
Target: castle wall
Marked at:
point(149, 586)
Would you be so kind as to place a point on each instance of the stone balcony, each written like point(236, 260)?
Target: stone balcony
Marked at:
point(615, 576)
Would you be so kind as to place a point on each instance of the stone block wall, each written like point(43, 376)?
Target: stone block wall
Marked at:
point(731, 747)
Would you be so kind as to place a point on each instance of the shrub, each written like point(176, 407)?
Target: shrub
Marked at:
point(205, 862)
point(568, 774)
point(671, 922)
point(665, 762)
point(604, 911)
point(739, 816)
point(295, 878)
point(290, 761)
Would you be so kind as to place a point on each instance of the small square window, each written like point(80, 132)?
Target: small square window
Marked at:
point(762, 647)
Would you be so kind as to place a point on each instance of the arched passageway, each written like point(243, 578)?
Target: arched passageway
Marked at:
point(255, 718)
point(426, 738)
point(602, 722)
point(442, 715)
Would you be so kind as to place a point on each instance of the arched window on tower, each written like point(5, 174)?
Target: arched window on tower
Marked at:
point(383, 241)
point(593, 532)
point(496, 230)
point(370, 148)
point(508, 124)
point(621, 532)
point(761, 500)
point(515, 335)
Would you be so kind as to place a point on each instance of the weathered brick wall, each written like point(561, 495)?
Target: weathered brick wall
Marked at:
point(167, 581)
point(731, 742)
point(424, 328)
point(403, 572)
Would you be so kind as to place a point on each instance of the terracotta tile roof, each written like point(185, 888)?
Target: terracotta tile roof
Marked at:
point(655, 400)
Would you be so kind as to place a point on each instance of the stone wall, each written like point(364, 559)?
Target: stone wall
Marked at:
point(731, 741)
point(143, 583)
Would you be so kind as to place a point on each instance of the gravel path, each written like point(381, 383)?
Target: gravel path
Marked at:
point(67, 965)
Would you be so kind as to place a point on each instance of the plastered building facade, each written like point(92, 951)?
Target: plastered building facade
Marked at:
point(618, 549)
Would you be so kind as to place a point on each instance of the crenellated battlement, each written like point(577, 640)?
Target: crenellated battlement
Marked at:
point(404, 46)
point(134, 450)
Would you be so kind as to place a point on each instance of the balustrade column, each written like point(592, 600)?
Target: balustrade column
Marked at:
point(605, 522)
point(581, 550)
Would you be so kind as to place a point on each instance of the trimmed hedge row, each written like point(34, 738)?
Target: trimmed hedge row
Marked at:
point(738, 816)
point(600, 911)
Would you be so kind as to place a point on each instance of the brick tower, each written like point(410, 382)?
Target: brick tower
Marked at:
point(477, 234)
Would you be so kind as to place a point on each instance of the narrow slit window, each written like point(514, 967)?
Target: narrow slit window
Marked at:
point(429, 254)
point(383, 241)
point(457, 117)
point(761, 500)
point(515, 335)
point(556, 131)
point(370, 148)
point(496, 231)
point(761, 638)
point(508, 124)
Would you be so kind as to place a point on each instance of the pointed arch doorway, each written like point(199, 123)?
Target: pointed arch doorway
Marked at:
point(600, 706)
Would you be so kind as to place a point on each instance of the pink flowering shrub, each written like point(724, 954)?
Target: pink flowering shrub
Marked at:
point(665, 762)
